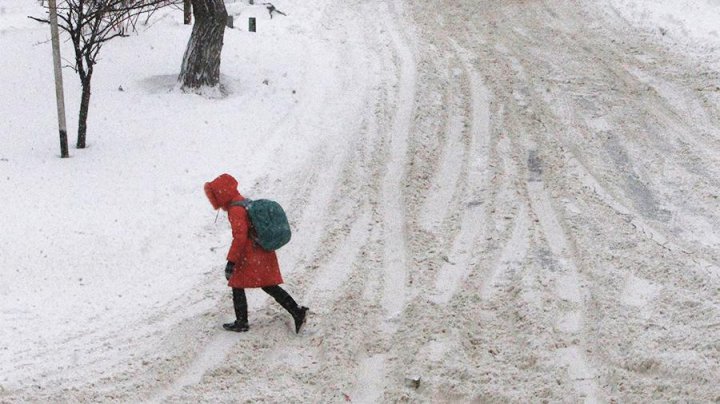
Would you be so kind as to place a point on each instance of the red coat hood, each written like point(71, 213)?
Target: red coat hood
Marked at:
point(222, 190)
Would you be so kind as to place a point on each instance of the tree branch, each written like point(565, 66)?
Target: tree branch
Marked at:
point(38, 19)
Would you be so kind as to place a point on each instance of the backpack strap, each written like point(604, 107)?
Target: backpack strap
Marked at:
point(245, 203)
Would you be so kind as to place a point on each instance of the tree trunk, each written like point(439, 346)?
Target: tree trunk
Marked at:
point(84, 106)
point(201, 63)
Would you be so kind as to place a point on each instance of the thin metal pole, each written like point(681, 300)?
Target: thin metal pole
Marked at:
point(59, 94)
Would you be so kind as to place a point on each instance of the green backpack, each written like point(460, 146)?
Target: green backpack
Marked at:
point(270, 226)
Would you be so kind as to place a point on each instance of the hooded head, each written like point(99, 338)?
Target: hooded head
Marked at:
point(221, 191)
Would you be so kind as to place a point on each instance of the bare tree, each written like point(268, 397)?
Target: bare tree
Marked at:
point(201, 63)
point(90, 24)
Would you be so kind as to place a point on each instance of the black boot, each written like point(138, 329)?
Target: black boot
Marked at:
point(235, 326)
point(298, 313)
point(240, 306)
point(299, 316)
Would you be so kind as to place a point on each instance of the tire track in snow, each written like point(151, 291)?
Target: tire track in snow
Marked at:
point(511, 259)
point(513, 266)
point(568, 287)
point(394, 216)
point(315, 217)
point(325, 173)
point(450, 171)
point(211, 356)
point(445, 183)
point(370, 383)
point(473, 222)
point(675, 107)
point(332, 275)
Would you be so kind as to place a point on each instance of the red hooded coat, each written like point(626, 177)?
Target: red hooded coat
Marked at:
point(254, 267)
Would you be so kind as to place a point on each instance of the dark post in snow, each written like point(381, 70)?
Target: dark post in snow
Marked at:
point(59, 93)
point(201, 63)
point(187, 12)
point(251, 23)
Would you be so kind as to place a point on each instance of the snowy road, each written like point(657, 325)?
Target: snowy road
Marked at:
point(598, 264)
point(516, 202)
point(532, 152)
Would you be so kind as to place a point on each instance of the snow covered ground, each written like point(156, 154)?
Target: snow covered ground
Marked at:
point(494, 201)
point(689, 21)
point(688, 26)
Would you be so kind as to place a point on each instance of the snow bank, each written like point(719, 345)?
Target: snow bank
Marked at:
point(690, 22)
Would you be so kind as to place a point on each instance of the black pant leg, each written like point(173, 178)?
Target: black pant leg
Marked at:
point(240, 305)
point(282, 297)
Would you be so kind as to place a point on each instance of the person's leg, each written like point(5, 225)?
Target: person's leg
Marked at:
point(299, 313)
point(241, 309)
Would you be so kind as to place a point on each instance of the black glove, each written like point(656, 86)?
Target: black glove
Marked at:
point(229, 269)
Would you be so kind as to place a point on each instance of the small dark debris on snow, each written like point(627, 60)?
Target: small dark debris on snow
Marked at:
point(266, 82)
point(121, 88)
point(534, 166)
point(413, 382)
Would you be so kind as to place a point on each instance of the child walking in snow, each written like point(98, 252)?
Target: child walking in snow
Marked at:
point(248, 264)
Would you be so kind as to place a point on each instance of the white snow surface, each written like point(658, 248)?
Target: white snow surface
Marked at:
point(689, 26)
point(494, 201)
point(691, 21)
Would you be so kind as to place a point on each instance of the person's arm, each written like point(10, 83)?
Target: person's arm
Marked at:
point(240, 228)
